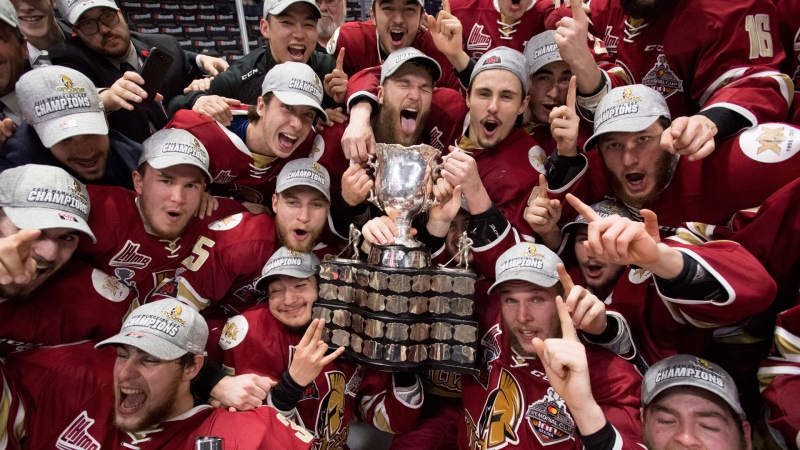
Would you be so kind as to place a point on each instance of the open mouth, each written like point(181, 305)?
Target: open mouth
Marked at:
point(173, 215)
point(490, 126)
point(300, 235)
point(131, 400)
point(635, 181)
point(408, 120)
point(397, 36)
point(297, 51)
point(549, 107)
point(515, 5)
point(593, 270)
point(287, 140)
point(31, 19)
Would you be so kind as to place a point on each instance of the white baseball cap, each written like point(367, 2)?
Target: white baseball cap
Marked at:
point(71, 10)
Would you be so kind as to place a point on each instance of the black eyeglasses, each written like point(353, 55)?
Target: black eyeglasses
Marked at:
point(91, 26)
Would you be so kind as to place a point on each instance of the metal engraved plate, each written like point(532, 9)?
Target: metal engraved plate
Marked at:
point(361, 298)
point(322, 313)
point(464, 333)
point(358, 323)
point(329, 271)
point(340, 338)
point(341, 318)
point(464, 286)
point(421, 283)
point(395, 353)
point(396, 304)
point(378, 280)
point(419, 331)
point(418, 305)
point(439, 305)
point(347, 294)
point(326, 335)
point(417, 353)
point(461, 306)
point(356, 343)
point(441, 283)
point(328, 291)
point(396, 331)
point(400, 283)
point(373, 328)
point(441, 331)
point(463, 354)
point(375, 301)
point(439, 352)
point(363, 277)
point(372, 349)
point(347, 274)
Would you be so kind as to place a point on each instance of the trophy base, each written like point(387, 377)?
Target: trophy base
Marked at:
point(399, 256)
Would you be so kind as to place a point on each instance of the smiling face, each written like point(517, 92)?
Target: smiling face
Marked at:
point(514, 9)
point(112, 42)
point(291, 299)
point(84, 155)
point(495, 100)
point(169, 198)
point(600, 277)
point(149, 390)
point(13, 56)
point(281, 128)
point(292, 34)
point(51, 250)
point(528, 311)
point(405, 100)
point(549, 87)
point(36, 17)
point(688, 417)
point(301, 213)
point(640, 169)
point(397, 22)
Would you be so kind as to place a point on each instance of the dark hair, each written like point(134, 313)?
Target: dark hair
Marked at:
point(252, 115)
point(664, 122)
point(374, 2)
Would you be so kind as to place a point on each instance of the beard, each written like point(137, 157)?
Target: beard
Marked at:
point(326, 28)
point(285, 235)
point(663, 175)
point(154, 414)
point(644, 9)
point(388, 132)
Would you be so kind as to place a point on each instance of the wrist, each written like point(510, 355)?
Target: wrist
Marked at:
point(437, 228)
point(296, 378)
point(668, 265)
point(460, 60)
point(589, 417)
point(478, 199)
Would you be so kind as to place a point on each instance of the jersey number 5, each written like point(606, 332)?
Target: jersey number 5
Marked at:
point(757, 26)
point(199, 254)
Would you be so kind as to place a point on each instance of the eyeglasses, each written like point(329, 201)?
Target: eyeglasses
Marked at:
point(91, 26)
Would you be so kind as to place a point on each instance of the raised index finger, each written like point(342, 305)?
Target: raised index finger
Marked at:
point(573, 90)
point(577, 10)
point(566, 280)
point(567, 328)
point(340, 59)
point(446, 6)
point(583, 209)
point(308, 336)
point(542, 186)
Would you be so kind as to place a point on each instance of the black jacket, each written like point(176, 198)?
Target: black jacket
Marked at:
point(133, 124)
point(242, 80)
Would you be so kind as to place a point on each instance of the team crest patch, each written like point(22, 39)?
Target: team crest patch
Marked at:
point(770, 142)
point(500, 418)
point(355, 381)
point(549, 419)
point(478, 40)
point(610, 41)
point(331, 429)
point(76, 436)
point(226, 223)
point(233, 332)
point(129, 256)
point(109, 287)
point(662, 78)
point(637, 275)
point(318, 149)
point(435, 139)
point(223, 177)
point(537, 157)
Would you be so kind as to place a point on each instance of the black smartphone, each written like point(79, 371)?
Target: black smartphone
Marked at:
point(153, 71)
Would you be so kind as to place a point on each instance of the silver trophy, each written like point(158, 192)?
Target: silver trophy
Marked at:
point(403, 188)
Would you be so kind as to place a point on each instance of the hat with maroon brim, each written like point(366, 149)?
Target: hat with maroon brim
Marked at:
point(42, 197)
point(166, 329)
point(627, 109)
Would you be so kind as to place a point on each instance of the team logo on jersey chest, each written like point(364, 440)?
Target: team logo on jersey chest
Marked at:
point(549, 419)
point(331, 430)
point(478, 40)
point(223, 177)
point(76, 435)
point(662, 78)
point(435, 139)
point(490, 351)
point(610, 41)
point(129, 256)
point(770, 142)
point(499, 420)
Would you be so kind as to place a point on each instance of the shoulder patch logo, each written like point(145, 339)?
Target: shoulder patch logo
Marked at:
point(318, 148)
point(435, 139)
point(770, 142)
point(638, 276)
point(234, 332)
point(549, 419)
point(129, 256)
point(331, 47)
point(478, 40)
point(537, 157)
point(226, 223)
point(76, 435)
point(109, 287)
point(662, 78)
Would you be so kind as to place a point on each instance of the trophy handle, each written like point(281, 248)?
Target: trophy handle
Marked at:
point(372, 198)
point(372, 161)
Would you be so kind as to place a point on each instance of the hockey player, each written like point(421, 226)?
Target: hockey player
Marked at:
point(632, 166)
point(144, 235)
point(323, 391)
point(513, 402)
point(245, 157)
point(74, 400)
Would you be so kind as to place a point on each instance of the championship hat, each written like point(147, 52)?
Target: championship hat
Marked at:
point(304, 172)
point(276, 7)
point(172, 147)
point(295, 84)
point(507, 59)
point(60, 103)
point(42, 197)
point(541, 50)
point(409, 54)
point(8, 14)
point(688, 370)
point(628, 109)
point(290, 263)
point(166, 329)
point(71, 10)
point(529, 262)
point(603, 209)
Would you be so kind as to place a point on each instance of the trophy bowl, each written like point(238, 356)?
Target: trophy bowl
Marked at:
point(403, 184)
